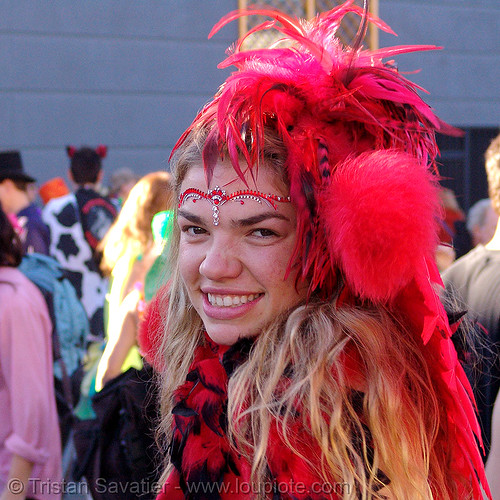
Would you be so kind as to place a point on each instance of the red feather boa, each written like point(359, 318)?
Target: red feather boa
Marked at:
point(200, 450)
point(205, 465)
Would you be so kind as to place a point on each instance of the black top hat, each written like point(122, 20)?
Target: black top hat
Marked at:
point(11, 167)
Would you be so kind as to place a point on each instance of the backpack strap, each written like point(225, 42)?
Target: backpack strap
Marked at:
point(96, 215)
point(56, 350)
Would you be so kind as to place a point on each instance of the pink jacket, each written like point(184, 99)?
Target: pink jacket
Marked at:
point(28, 424)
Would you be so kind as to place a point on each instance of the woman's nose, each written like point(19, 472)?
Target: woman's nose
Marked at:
point(221, 261)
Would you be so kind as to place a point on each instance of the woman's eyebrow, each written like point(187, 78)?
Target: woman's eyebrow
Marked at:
point(195, 219)
point(256, 219)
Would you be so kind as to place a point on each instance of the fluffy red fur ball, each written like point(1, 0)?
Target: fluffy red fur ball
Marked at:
point(381, 212)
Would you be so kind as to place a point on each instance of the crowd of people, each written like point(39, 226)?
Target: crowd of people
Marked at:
point(104, 245)
point(280, 316)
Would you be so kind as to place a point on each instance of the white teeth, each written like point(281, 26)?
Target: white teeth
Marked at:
point(230, 300)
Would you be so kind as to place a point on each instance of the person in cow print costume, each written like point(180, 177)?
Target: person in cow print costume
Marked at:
point(77, 223)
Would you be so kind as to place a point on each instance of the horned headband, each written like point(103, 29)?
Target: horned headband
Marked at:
point(100, 150)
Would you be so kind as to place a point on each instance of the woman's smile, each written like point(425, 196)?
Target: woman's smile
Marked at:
point(227, 307)
point(231, 300)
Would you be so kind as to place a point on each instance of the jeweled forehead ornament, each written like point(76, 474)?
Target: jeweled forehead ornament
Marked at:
point(218, 196)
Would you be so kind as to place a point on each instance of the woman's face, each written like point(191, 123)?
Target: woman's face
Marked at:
point(233, 264)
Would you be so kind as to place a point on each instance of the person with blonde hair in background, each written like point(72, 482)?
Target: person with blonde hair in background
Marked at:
point(128, 252)
point(302, 347)
point(119, 386)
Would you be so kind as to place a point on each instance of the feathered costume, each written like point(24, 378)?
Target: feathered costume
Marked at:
point(361, 151)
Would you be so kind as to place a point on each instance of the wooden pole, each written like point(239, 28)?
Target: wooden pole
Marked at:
point(310, 9)
point(374, 34)
point(242, 21)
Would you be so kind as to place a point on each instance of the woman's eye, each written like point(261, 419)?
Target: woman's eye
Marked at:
point(193, 230)
point(263, 233)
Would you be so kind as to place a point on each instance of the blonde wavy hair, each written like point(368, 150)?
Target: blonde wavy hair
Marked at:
point(401, 429)
point(131, 232)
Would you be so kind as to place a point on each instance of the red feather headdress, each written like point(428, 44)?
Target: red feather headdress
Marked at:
point(330, 103)
point(361, 163)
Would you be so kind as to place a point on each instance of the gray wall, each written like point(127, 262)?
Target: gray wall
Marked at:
point(133, 73)
point(463, 78)
point(130, 74)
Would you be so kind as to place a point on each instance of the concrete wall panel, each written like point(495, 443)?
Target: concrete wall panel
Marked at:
point(463, 77)
point(129, 74)
point(133, 73)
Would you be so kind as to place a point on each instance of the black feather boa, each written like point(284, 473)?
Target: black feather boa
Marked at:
point(206, 468)
point(200, 450)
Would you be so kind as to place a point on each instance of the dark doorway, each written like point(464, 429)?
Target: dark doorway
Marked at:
point(461, 163)
point(461, 167)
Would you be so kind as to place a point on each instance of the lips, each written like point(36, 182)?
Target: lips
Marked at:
point(229, 306)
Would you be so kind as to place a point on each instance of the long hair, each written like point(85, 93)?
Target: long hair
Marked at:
point(131, 232)
point(11, 251)
point(399, 432)
point(400, 428)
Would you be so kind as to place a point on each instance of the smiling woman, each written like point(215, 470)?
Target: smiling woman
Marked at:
point(303, 348)
point(234, 266)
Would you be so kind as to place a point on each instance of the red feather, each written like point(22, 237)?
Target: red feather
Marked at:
point(284, 19)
